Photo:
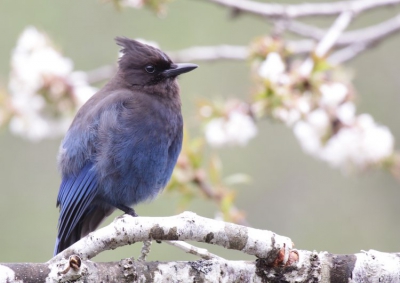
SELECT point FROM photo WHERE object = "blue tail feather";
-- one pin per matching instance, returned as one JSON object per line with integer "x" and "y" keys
{"x": 76, "y": 199}
{"x": 76, "y": 205}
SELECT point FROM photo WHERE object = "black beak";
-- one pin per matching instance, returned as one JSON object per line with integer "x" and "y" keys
{"x": 177, "y": 69}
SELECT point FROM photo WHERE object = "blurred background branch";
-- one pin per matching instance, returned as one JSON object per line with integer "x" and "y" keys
{"x": 276, "y": 10}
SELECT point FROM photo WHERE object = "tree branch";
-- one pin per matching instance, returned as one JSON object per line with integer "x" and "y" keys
{"x": 282, "y": 265}
{"x": 373, "y": 33}
{"x": 126, "y": 230}
{"x": 348, "y": 53}
{"x": 273, "y": 10}
{"x": 305, "y": 30}
{"x": 210, "y": 53}
{"x": 190, "y": 249}
{"x": 129, "y": 270}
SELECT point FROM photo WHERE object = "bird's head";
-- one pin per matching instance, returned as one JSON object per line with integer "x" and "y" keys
{"x": 144, "y": 65}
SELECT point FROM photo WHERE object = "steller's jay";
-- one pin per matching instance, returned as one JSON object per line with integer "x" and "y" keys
{"x": 123, "y": 144}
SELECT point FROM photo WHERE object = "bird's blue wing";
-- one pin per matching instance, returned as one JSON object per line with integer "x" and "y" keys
{"x": 75, "y": 197}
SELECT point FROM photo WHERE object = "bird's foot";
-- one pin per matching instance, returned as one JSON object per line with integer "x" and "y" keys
{"x": 132, "y": 213}
{"x": 128, "y": 210}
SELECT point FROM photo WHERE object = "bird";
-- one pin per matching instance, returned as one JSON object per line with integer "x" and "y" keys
{"x": 123, "y": 143}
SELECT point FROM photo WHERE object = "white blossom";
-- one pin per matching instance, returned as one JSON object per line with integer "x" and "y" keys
{"x": 215, "y": 132}
{"x": 133, "y": 3}
{"x": 333, "y": 94}
{"x": 272, "y": 68}
{"x": 303, "y": 104}
{"x": 365, "y": 121}
{"x": 346, "y": 113}
{"x": 33, "y": 60}
{"x": 378, "y": 141}
{"x": 360, "y": 146}
{"x": 311, "y": 131}
{"x": 44, "y": 90}
{"x": 342, "y": 149}
{"x": 236, "y": 129}
{"x": 35, "y": 127}
{"x": 353, "y": 147}
{"x": 82, "y": 90}
{"x": 293, "y": 116}
{"x": 289, "y": 117}
{"x": 308, "y": 137}
{"x": 319, "y": 120}
{"x": 31, "y": 38}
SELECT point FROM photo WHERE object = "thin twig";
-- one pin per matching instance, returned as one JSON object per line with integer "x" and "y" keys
{"x": 333, "y": 33}
{"x": 328, "y": 41}
{"x": 361, "y": 40}
{"x": 190, "y": 249}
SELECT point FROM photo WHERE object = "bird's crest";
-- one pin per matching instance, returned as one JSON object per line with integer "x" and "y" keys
{"x": 138, "y": 50}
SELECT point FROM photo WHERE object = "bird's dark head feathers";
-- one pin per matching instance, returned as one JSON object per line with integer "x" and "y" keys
{"x": 145, "y": 65}
{"x": 139, "y": 60}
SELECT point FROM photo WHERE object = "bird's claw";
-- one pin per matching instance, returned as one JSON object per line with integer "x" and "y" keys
{"x": 131, "y": 212}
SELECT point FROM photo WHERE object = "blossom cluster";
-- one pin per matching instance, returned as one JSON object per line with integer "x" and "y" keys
{"x": 44, "y": 91}
{"x": 319, "y": 108}
{"x": 157, "y": 6}
{"x": 228, "y": 124}
{"x": 321, "y": 111}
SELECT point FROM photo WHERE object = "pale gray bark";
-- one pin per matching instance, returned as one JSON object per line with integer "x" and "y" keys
{"x": 126, "y": 230}
{"x": 279, "y": 262}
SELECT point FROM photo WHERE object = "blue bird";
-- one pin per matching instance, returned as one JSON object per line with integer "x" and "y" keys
{"x": 123, "y": 144}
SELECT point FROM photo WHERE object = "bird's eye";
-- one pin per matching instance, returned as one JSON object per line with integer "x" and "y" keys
{"x": 150, "y": 69}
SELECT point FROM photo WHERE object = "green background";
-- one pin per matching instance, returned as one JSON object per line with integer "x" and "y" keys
{"x": 292, "y": 194}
